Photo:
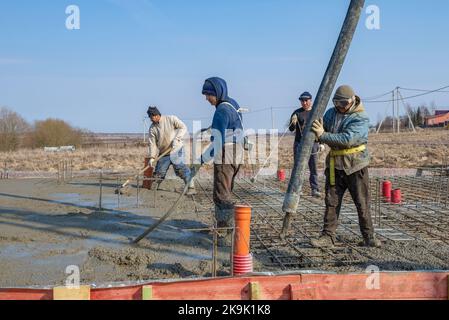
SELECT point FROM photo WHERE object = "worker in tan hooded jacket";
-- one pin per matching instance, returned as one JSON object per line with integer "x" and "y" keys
{"x": 345, "y": 130}
{"x": 167, "y": 133}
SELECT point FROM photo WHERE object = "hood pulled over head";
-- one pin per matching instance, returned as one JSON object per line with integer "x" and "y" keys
{"x": 217, "y": 87}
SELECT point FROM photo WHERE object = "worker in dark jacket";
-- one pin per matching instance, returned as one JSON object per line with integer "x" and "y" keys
{"x": 298, "y": 122}
{"x": 345, "y": 130}
{"x": 227, "y": 151}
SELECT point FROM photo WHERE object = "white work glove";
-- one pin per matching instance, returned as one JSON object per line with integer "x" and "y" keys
{"x": 176, "y": 144}
{"x": 294, "y": 120}
{"x": 318, "y": 128}
{"x": 152, "y": 162}
{"x": 322, "y": 148}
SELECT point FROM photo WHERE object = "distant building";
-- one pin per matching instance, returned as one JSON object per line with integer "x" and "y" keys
{"x": 440, "y": 112}
{"x": 441, "y": 118}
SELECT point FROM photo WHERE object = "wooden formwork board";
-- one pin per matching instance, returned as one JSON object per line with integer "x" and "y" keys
{"x": 381, "y": 286}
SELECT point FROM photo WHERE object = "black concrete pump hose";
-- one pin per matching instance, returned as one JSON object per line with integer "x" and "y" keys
{"x": 173, "y": 208}
{"x": 292, "y": 197}
{"x": 169, "y": 212}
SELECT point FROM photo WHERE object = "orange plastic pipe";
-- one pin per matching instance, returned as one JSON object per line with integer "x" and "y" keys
{"x": 242, "y": 230}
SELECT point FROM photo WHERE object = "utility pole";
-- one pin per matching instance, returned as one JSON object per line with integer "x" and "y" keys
{"x": 397, "y": 108}
{"x": 393, "y": 120}
{"x": 380, "y": 126}
{"x": 144, "y": 130}
{"x": 272, "y": 118}
{"x": 410, "y": 122}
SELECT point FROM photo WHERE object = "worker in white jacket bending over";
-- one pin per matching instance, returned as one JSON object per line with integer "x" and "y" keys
{"x": 166, "y": 133}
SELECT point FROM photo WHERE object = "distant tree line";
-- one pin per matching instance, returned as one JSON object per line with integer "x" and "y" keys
{"x": 418, "y": 114}
{"x": 417, "y": 117}
{"x": 16, "y": 132}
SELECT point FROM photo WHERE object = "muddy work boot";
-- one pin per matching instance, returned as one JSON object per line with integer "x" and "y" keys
{"x": 371, "y": 242}
{"x": 324, "y": 241}
{"x": 157, "y": 185}
{"x": 316, "y": 194}
{"x": 224, "y": 218}
{"x": 191, "y": 191}
{"x": 224, "y": 239}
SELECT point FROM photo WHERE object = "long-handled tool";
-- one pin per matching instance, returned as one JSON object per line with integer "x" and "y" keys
{"x": 170, "y": 211}
{"x": 194, "y": 171}
{"x": 120, "y": 189}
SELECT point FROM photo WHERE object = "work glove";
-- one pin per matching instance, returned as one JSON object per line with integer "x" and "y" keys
{"x": 318, "y": 128}
{"x": 176, "y": 145}
{"x": 294, "y": 120}
{"x": 152, "y": 162}
{"x": 322, "y": 148}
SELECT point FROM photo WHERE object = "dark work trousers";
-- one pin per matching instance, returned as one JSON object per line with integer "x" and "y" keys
{"x": 224, "y": 176}
{"x": 358, "y": 186}
{"x": 313, "y": 163}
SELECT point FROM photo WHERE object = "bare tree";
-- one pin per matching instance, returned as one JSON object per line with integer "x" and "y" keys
{"x": 433, "y": 107}
{"x": 12, "y": 128}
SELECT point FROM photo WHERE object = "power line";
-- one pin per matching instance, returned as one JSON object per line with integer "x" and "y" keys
{"x": 409, "y": 97}
{"x": 419, "y": 90}
{"x": 266, "y": 109}
{"x": 258, "y": 110}
{"x": 378, "y": 96}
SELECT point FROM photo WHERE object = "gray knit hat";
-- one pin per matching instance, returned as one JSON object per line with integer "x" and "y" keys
{"x": 153, "y": 111}
{"x": 344, "y": 93}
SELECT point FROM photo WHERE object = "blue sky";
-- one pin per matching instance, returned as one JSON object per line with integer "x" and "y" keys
{"x": 129, "y": 54}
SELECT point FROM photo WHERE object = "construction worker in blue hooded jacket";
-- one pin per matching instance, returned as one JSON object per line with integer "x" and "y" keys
{"x": 344, "y": 129}
{"x": 227, "y": 152}
{"x": 298, "y": 122}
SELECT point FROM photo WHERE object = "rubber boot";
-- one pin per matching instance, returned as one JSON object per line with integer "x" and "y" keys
{"x": 225, "y": 240}
{"x": 224, "y": 219}
{"x": 316, "y": 194}
{"x": 324, "y": 241}
{"x": 158, "y": 186}
{"x": 370, "y": 241}
{"x": 191, "y": 189}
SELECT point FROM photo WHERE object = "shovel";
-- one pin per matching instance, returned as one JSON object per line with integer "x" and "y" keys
{"x": 120, "y": 190}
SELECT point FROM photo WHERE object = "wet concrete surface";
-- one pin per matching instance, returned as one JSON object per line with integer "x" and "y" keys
{"x": 45, "y": 227}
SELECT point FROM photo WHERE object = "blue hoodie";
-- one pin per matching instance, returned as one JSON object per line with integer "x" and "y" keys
{"x": 226, "y": 119}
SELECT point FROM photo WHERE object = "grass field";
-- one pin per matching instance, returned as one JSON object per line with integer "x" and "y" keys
{"x": 405, "y": 150}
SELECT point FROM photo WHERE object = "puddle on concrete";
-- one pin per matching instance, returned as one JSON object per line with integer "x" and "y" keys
{"x": 48, "y": 255}
{"x": 110, "y": 202}
{"x": 66, "y": 228}
{"x": 57, "y": 256}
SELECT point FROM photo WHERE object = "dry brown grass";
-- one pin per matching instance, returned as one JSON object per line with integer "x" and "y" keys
{"x": 409, "y": 151}
{"x": 87, "y": 159}
{"x": 404, "y": 150}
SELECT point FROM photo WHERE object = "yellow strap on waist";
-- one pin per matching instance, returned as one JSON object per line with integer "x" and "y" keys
{"x": 344, "y": 152}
